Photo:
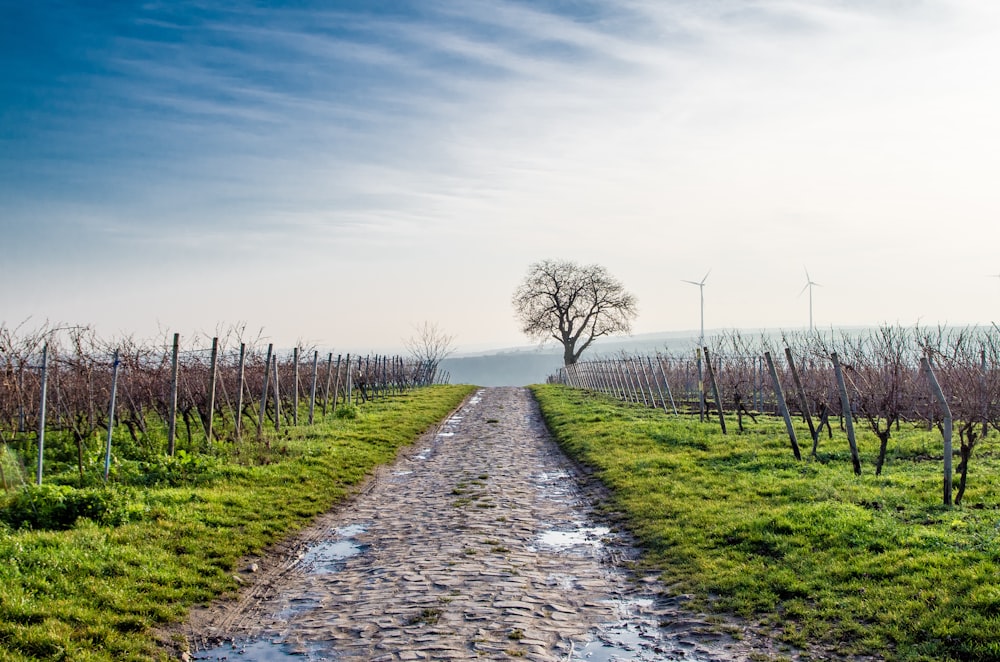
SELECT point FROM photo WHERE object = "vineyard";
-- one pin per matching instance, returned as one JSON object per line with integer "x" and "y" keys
{"x": 947, "y": 379}
{"x": 77, "y": 408}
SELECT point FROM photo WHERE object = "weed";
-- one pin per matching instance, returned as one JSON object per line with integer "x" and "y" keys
{"x": 426, "y": 617}
{"x": 349, "y": 412}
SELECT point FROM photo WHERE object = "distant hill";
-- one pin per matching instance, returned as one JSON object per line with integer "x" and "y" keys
{"x": 520, "y": 366}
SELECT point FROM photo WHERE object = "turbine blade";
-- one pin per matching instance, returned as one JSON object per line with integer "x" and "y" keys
{"x": 705, "y": 278}
{"x": 690, "y": 281}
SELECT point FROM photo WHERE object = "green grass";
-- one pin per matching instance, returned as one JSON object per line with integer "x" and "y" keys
{"x": 858, "y": 565}
{"x": 96, "y": 592}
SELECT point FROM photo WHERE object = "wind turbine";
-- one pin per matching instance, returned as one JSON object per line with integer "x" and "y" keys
{"x": 809, "y": 285}
{"x": 701, "y": 287}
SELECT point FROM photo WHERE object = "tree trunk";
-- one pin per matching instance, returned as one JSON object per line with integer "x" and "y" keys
{"x": 883, "y": 437}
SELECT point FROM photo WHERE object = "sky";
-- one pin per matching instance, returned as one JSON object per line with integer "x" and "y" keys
{"x": 337, "y": 173}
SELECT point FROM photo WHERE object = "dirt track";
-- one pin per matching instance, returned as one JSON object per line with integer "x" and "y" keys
{"x": 479, "y": 543}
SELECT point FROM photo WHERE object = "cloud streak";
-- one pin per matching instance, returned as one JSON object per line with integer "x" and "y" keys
{"x": 659, "y": 138}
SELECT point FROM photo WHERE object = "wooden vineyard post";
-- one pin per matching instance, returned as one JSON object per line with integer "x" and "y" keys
{"x": 277, "y": 395}
{"x": 947, "y": 430}
{"x": 780, "y": 395}
{"x": 336, "y": 388}
{"x": 263, "y": 391}
{"x": 632, "y": 380}
{"x": 329, "y": 381}
{"x": 295, "y": 385}
{"x": 619, "y": 379}
{"x": 614, "y": 383}
{"x": 599, "y": 377}
{"x": 241, "y": 369}
{"x": 620, "y": 391}
{"x": 312, "y": 390}
{"x": 845, "y": 405}
{"x": 386, "y": 377}
{"x": 640, "y": 365}
{"x": 213, "y": 377}
{"x": 666, "y": 384}
{"x": 348, "y": 383}
{"x": 172, "y": 405}
{"x": 627, "y": 380}
{"x": 715, "y": 391}
{"x": 802, "y": 398}
{"x": 638, "y": 381}
{"x": 41, "y": 414}
{"x": 655, "y": 380}
{"x": 111, "y": 415}
{"x": 701, "y": 388}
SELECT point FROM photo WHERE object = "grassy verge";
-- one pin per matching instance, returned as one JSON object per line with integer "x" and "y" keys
{"x": 859, "y": 565}
{"x": 95, "y": 592}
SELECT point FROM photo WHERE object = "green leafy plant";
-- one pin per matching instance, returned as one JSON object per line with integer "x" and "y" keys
{"x": 58, "y": 507}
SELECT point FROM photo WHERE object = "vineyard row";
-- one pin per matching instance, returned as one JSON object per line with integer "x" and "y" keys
{"x": 942, "y": 377}
{"x": 80, "y": 387}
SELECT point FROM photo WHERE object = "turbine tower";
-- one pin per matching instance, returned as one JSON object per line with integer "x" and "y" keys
{"x": 809, "y": 286}
{"x": 701, "y": 288}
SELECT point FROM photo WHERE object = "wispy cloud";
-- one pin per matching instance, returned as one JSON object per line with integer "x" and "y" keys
{"x": 652, "y": 136}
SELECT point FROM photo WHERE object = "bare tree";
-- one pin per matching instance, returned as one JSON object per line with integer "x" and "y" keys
{"x": 428, "y": 346}
{"x": 572, "y": 303}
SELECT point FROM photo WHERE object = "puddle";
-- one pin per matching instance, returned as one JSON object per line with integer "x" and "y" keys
{"x": 620, "y": 642}
{"x": 557, "y": 486}
{"x": 331, "y": 555}
{"x": 351, "y": 530}
{"x": 298, "y": 606}
{"x": 584, "y": 536}
{"x": 636, "y": 637}
{"x": 446, "y": 434}
{"x": 260, "y": 651}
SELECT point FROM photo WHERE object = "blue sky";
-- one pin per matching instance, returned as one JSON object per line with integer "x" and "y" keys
{"x": 338, "y": 172}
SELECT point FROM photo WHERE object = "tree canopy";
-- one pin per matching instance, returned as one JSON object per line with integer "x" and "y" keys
{"x": 430, "y": 345}
{"x": 573, "y": 304}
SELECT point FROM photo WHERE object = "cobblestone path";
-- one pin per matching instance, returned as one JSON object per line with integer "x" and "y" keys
{"x": 479, "y": 543}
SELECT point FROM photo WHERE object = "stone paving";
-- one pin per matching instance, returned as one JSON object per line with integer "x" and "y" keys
{"x": 479, "y": 543}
